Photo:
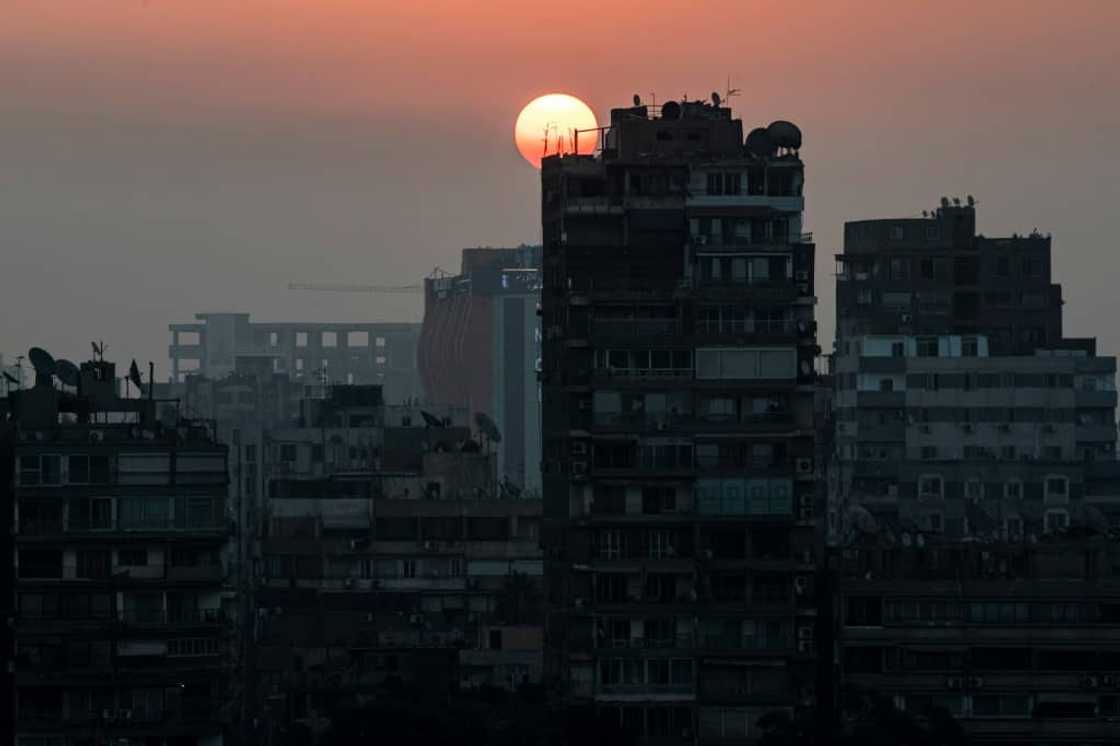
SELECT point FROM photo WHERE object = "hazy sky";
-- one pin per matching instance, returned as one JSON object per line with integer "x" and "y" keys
{"x": 162, "y": 157}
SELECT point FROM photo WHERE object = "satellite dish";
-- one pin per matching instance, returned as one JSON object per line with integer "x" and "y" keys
{"x": 971, "y": 200}
{"x": 785, "y": 134}
{"x": 487, "y": 427}
{"x": 637, "y": 100}
{"x": 670, "y": 110}
{"x": 862, "y": 519}
{"x": 944, "y": 201}
{"x": 716, "y": 100}
{"x": 921, "y": 540}
{"x": 67, "y": 372}
{"x": 956, "y": 201}
{"x": 759, "y": 142}
{"x": 431, "y": 419}
{"x": 44, "y": 365}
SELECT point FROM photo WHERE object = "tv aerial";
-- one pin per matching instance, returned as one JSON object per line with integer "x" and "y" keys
{"x": 44, "y": 365}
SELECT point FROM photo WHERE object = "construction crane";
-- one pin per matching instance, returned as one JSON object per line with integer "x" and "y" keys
{"x": 333, "y": 287}
{"x": 342, "y": 288}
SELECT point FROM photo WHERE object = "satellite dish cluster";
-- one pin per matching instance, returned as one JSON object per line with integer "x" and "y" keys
{"x": 780, "y": 135}
{"x": 47, "y": 368}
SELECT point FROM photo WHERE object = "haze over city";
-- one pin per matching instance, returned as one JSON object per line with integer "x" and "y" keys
{"x": 162, "y": 158}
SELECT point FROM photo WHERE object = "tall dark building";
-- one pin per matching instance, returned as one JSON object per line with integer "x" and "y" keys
{"x": 973, "y": 498}
{"x": 118, "y": 520}
{"x": 479, "y": 348}
{"x": 677, "y": 384}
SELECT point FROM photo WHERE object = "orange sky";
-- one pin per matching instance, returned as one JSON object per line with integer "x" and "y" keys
{"x": 198, "y": 156}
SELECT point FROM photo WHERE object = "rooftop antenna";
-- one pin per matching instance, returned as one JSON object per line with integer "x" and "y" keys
{"x": 729, "y": 91}
{"x": 98, "y": 351}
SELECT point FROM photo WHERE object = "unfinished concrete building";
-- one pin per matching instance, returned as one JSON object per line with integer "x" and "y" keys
{"x": 387, "y": 552}
{"x": 327, "y": 353}
{"x": 678, "y": 372}
{"x": 122, "y": 621}
{"x": 973, "y": 500}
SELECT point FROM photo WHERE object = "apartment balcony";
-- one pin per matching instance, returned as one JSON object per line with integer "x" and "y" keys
{"x": 680, "y": 641}
{"x": 744, "y": 643}
{"x": 653, "y": 691}
{"x": 163, "y": 617}
{"x": 608, "y": 331}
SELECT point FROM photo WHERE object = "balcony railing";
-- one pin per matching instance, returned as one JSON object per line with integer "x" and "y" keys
{"x": 680, "y": 641}
{"x": 636, "y": 327}
{"x": 743, "y": 642}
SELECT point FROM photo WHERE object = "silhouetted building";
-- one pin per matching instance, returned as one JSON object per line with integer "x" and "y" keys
{"x": 387, "y": 552}
{"x": 678, "y": 371}
{"x": 122, "y": 623}
{"x": 316, "y": 353}
{"x": 973, "y": 500}
{"x": 480, "y": 347}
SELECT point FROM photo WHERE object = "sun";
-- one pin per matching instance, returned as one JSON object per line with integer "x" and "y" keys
{"x": 549, "y": 125}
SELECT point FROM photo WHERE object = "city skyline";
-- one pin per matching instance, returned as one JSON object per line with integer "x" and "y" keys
{"x": 190, "y": 159}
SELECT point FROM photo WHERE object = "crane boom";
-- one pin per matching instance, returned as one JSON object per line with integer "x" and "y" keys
{"x": 343, "y": 288}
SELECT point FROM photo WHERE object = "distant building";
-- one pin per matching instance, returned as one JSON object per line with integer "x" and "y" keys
{"x": 123, "y": 617}
{"x": 387, "y": 550}
{"x": 679, "y": 452}
{"x": 480, "y": 348}
{"x": 220, "y": 343}
{"x": 973, "y": 493}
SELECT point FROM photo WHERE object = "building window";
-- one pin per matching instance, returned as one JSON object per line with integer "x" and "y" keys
{"x": 1057, "y": 489}
{"x": 931, "y": 485}
{"x": 1056, "y": 520}
{"x": 1013, "y": 490}
{"x": 974, "y": 489}
{"x": 1003, "y": 267}
{"x": 897, "y": 233}
{"x": 329, "y": 339}
{"x": 898, "y": 349}
{"x": 929, "y": 453}
{"x": 301, "y": 339}
{"x": 715, "y": 184}
{"x": 886, "y": 384}
{"x": 925, "y": 268}
{"x": 970, "y": 347}
{"x": 408, "y": 568}
{"x": 77, "y": 471}
{"x": 864, "y": 297}
{"x": 132, "y": 557}
{"x": 1013, "y": 526}
{"x": 936, "y": 522}
{"x": 927, "y": 346}
{"x": 1007, "y": 453}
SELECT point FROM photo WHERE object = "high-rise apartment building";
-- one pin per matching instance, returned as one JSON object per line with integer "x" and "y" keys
{"x": 122, "y": 618}
{"x": 973, "y": 493}
{"x": 677, "y": 380}
{"x": 480, "y": 346}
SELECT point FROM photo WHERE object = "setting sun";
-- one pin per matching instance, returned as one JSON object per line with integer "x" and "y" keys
{"x": 548, "y": 125}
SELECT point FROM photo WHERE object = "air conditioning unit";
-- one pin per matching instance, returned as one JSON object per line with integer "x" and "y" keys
{"x": 579, "y": 603}
{"x": 892, "y": 490}
{"x": 707, "y": 554}
{"x": 805, "y": 646}
{"x": 701, "y": 240}
{"x": 579, "y": 448}
{"x": 416, "y": 619}
{"x": 804, "y": 466}
{"x": 579, "y": 468}
{"x": 906, "y": 318}
{"x": 976, "y": 682}
{"x": 953, "y": 682}
{"x": 1109, "y": 680}
{"x": 429, "y": 545}
{"x": 1090, "y": 682}
{"x": 348, "y": 583}
{"x": 800, "y": 585}
{"x": 802, "y": 275}
{"x": 108, "y": 715}
{"x": 367, "y": 617}
{"x": 805, "y": 632}
{"x": 96, "y": 436}
{"x": 124, "y": 714}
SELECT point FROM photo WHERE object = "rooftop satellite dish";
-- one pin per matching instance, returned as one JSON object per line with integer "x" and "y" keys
{"x": 971, "y": 200}
{"x": 670, "y": 110}
{"x": 925, "y": 213}
{"x": 67, "y": 372}
{"x": 487, "y": 427}
{"x": 716, "y": 100}
{"x": 785, "y": 134}
{"x": 862, "y": 519}
{"x": 44, "y": 365}
{"x": 957, "y": 201}
{"x": 431, "y": 420}
{"x": 944, "y": 201}
{"x": 759, "y": 142}
{"x": 637, "y": 100}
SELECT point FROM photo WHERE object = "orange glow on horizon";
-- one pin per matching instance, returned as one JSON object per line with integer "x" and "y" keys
{"x": 548, "y": 124}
